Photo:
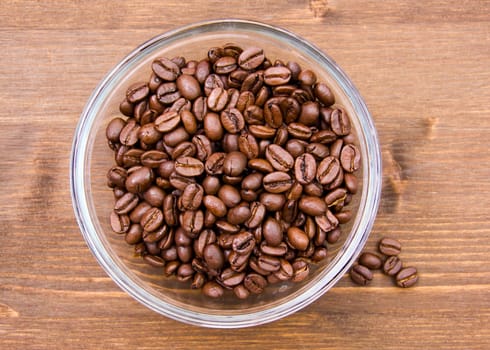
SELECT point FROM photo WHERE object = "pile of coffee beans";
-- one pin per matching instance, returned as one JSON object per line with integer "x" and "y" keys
{"x": 233, "y": 171}
{"x": 391, "y": 264}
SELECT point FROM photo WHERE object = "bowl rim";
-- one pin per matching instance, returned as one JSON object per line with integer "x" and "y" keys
{"x": 80, "y": 195}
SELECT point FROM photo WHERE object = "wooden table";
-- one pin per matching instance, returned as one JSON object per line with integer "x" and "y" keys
{"x": 424, "y": 71}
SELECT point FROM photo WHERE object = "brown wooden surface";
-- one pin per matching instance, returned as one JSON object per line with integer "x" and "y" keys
{"x": 424, "y": 70}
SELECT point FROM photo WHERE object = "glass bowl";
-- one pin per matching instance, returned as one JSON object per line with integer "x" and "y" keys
{"x": 93, "y": 200}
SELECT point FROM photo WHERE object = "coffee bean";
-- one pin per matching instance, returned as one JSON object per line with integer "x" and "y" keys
{"x": 248, "y": 145}
{"x": 277, "y": 182}
{"x": 340, "y": 122}
{"x": 114, "y": 128}
{"x": 272, "y": 201}
{"x": 215, "y": 205}
{"x": 273, "y": 114}
{"x": 213, "y": 255}
{"x": 361, "y": 275}
{"x": 350, "y": 158}
{"x": 261, "y": 165}
{"x": 229, "y": 195}
{"x": 241, "y": 292}
{"x": 279, "y": 158}
{"x": 327, "y": 222}
{"x": 120, "y": 223}
{"x": 167, "y": 121}
{"x": 251, "y": 58}
{"x": 327, "y": 170}
{"x": 217, "y": 99}
{"x": 305, "y": 169}
{"x": 407, "y": 277}
{"x": 188, "y": 87}
{"x": 301, "y": 270}
{"x": 389, "y": 246}
{"x": 165, "y": 69}
{"x": 234, "y": 163}
{"x": 255, "y": 283}
{"x": 168, "y": 93}
{"x": 137, "y": 92}
{"x": 313, "y": 206}
{"x": 192, "y": 221}
{"x": 188, "y": 166}
{"x": 129, "y": 134}
{"x": 370, "y": 260}
{"x": 192, "y": 196}
{"x": 232, "y": 120}
{"x": 297, "y": 238}
{"x": 139, "y": 180}
{"x": 243, "y": 243}
{"x": 392, "y": 265}
{"x": 277, "y": 76}
{"x": 225, "y": 65}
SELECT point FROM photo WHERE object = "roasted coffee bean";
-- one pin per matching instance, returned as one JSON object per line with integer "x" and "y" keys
{"x": 327, "y": 222}
{"x": 230, "y": 278}
{"x": 120, "y": 222}
{"x": 184, "y": 149}
{"x": 277, "y": 182}
{"x": 192, "y": 196}
{"x": 269, "y": 263}
{"x": 203, "y": 69}
{"x": 252, "y": 181}
{"x": 340, "y": 122}
{"x": 167, "y": 121}
{"x": 167, "y": 94}
{"x": 305, "y": 169}
{"x": 238, "y": 215}
{"x": 272, "y": 201}
{"x": 253, "y": 82}
{"x": 295, "y": 147}
{"x": 243, "y": 243}
{"x": 324, "y": 94}
{"x": 188, "y": 121}
{"x": 361, "y": 275}
{"x": 154, "y": 196}
{"x": 407, "y": 277}
{"x": 257, "y": 214}
{"x": 273, "y": 115}
{"x": 137, "y": 92}
{"x": 318, "y": 150}
{"x": 217, "y": 99}
{"x": 301, "y": 270}
{"x": 211, "y": 184}
{"x": 225, "y": 65}
{"x": 392, "y": 265}
{"x": 277, "y": 76}
{"x": 344, "y": 216}
{"x": 234, "y": 163}
{"x": 188, "y": 166}
{"x": 192, "y": 221}
{"x": 174, "y": 138}
{"x": 212, "y": 289}
{"x": 232, "y": 120}
{"x": 313, "y": 206}
{"x": 323, "y": 136}
{"x": 203, "y": 147}
{"x": 389, "y": 246}
{"x": 279, "y": 158}
{"x": 165, "y": 69}
{"x": 134, "y": 234}
{"x": 198, "y": 281}
{"x": 154, "y": 260}
{"x": 152, "y": 219}
{"x": 272, "y": 232}
{"x": 129, "y": 134}
{"x": 328, "y": 170}
{"x": 212, "y": 81}
{"x": 188, "y": 87}
{"x": 297, "y": 238}
{"x": 139, "y": 180}
{"x": 261, "y": 165}
{"x": 200, "y": 107}
{"x": 370, "y": 260}
{"x": 351, "y": 182}
{"x": 241, "y": 292}
{"x": 229, "y": 195}
{"x": 278, "y": 250}
{"x": 114, "y": 128}
{"x": 137, "y": 213}
{"x": 212, "y": 127}
{"x": 205, "y": 237}
{"x": 215, "y": 205}
{"x": 255, "y": 283}
{"x": 213, "y": 255}
{"x": 299, "y": 131}
{"x": 350, "y": 158}
{"x": 116, "y": 176}
{"x": 248, "y": 145}
{"x": 335, "y": 197}
{"x": 334, "y": 235}
{"x": 185, "y": 272}
{"x": 251, "y": 58}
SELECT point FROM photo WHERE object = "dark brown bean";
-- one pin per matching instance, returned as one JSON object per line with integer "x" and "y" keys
{"x": 392, "y": 265}
{"x": 305, "y": 168}
{"x": 279, "y": 158}
{"x": 389, "y": 246}
{"x": 407, "y": 277}
{"x": 189, "y": 166}
{"x": 361, "y": 275}
{"x": 313, "y": 206}
{"x": 370, "y": 260}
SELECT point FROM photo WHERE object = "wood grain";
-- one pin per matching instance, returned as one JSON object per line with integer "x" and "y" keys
{"x": 423, "y": 69}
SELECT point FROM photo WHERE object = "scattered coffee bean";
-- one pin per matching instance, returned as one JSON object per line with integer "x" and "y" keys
{"x": 370, "y": 260}
{"x": 361, "y": 275}
{"x": 389, "y": 246}
{"x": 392, "y": 265}
{"x": 233, "y": 171}
{"x": 407, "y": 277}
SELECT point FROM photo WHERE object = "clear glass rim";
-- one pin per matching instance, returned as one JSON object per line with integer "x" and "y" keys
{"x": 315, "y": 288}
